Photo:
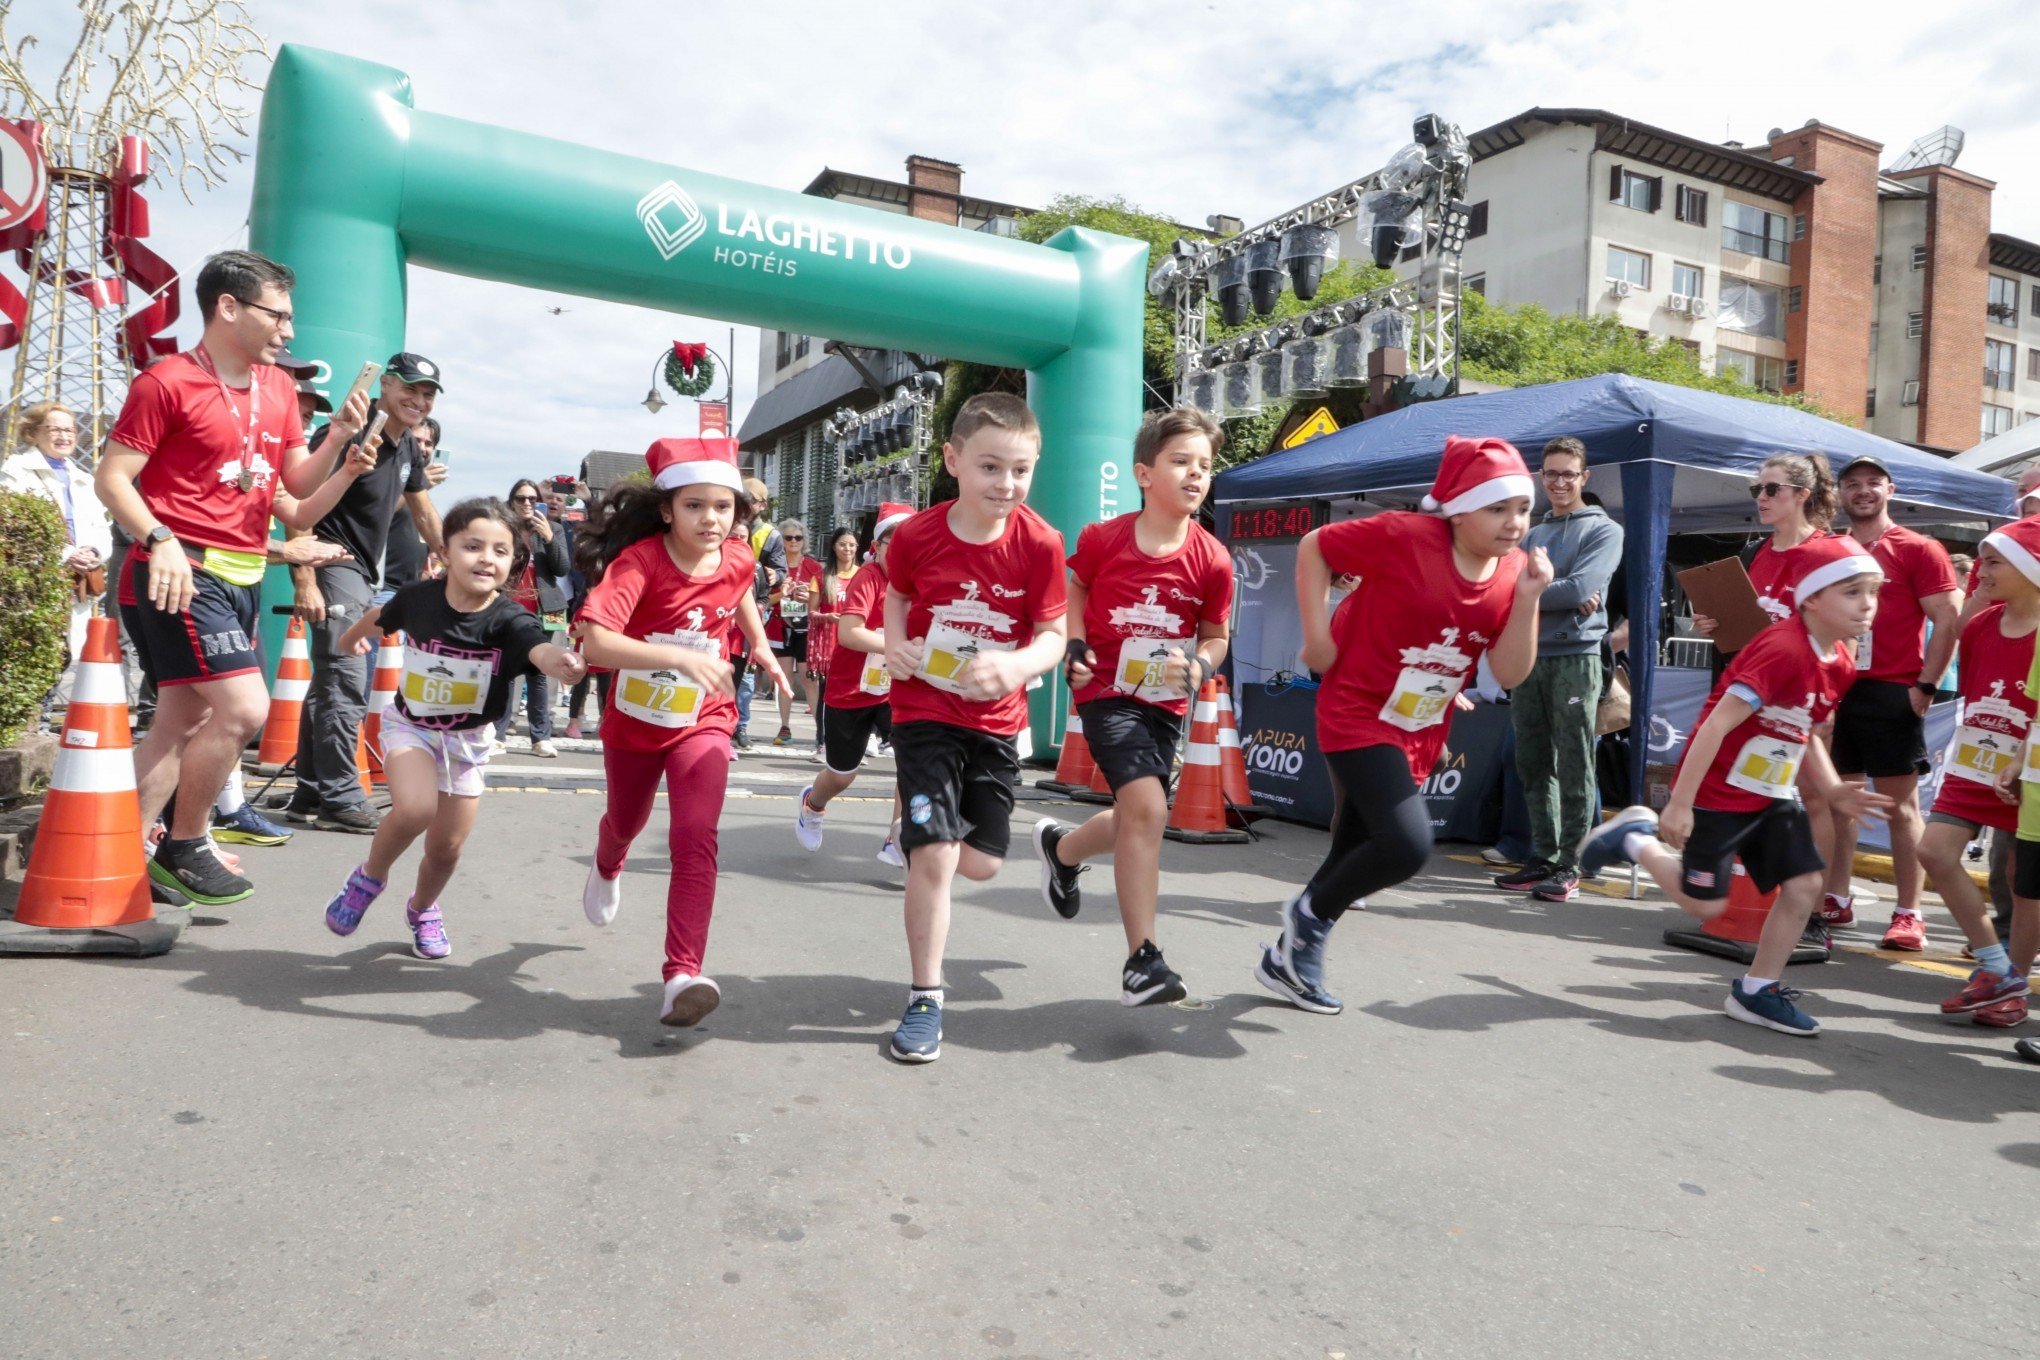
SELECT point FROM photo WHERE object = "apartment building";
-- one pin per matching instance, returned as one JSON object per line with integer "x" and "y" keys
{"x": 1800, "y": 264}
{"x": 803, "y": 379}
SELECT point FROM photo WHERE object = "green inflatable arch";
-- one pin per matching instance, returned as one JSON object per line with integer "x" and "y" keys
{"x": 353, "y": 185}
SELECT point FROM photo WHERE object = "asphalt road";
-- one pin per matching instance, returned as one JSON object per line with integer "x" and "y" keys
{"x": 1532, "y": 1134}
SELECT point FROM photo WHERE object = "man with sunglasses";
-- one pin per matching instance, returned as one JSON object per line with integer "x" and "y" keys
{"x": 207, "y": 446}
{"x": 1553, "y": 709}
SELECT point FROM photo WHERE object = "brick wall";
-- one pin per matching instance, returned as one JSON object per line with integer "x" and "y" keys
{"x": 945, "y": 178}
{"x": 1957, "y": 289}
{"x": 1832, "y": 266}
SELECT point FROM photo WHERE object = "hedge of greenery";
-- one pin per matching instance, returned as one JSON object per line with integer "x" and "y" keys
{"x": 35, "y": 607}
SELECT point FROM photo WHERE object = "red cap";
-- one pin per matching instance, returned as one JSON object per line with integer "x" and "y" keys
{"x": 1477, "y": 472}
{"x": 690, "y": 462}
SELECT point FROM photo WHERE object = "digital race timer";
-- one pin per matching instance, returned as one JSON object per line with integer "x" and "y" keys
{"x": 1281, "y": 521}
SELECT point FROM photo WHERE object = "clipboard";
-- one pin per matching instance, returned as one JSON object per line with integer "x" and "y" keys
{"x": 1722, "y": 591}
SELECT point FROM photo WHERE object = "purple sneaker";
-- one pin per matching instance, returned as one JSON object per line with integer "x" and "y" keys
{"x": 345, "y": 911}
{"x": 428, "y": 931}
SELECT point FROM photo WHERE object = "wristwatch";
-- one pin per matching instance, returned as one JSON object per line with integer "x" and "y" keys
{"x": 1926, "y": 688}
{"x": 162, "y": 533}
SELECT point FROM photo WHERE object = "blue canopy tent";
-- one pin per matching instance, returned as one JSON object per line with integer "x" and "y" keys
{"x": 1685, "y": 459}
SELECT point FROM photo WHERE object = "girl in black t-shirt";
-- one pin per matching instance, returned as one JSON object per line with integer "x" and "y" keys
{"x": 464, "y": 642}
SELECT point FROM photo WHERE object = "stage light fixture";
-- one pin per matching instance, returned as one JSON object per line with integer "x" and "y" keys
{"x": 1390, "y": 222}
{"x": 1264, "y": 274}
{"x": 1308, "y": 251}
{"x": 1231, "y": 278}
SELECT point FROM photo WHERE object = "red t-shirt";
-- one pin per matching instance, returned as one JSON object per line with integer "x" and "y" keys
{"x": 643, "y": 595}
{"x": 1150, "y": 599}
{"x": 862, "y": 605}
{"x": 1409, "y": 635}
{"x": 1793, "y": 690}
{"x": 176, "y": 414}
{"x": 1775, "y": 572}
{"x": 1996, "y": 711}
{"x": 803, "y": 569}
{"x": 964, "y": 596}
{"x": 1915, "y": 567}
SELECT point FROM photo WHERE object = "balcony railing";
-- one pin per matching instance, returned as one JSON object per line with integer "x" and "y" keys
{"x": 1750, "y": 243}
{"x": 1999, "y": 378}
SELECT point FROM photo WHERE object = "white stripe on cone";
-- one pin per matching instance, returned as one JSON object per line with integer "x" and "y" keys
{"x": 99, "y": 682}
{"x": 296, "y": 649}
{"x": 83, "y": 771}
{"x": 291, "y": 691}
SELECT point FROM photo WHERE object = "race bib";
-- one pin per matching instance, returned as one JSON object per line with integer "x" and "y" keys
{"x": 665, "y": 698}
{"x": 1767, "y": 766}
{"x": 1980, "y": 755}
{"x": 2030, "y": 772}
{"x": 1863, "y": 654}
{"x": 436, "y": 686}
{"x": 1143, "y": 667}
{"x": 1419, "y": 699}
{"x": 874, "y": 678}
{"x": 793, "y": 612}
{"x": 949, "y": 650}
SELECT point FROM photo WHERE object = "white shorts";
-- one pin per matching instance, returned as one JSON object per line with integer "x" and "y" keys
{"x": 461, "y": 757}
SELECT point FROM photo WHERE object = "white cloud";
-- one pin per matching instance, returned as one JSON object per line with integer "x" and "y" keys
{"x": 1186, "y": 109}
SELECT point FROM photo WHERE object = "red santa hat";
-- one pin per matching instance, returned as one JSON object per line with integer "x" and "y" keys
{"x": 2019, "y": 544}
{"x": 1477, "y": 472}
{"x": 891, "y": 515}
{"x": 692, "y": 462}
{"x": 1834, "y": 559}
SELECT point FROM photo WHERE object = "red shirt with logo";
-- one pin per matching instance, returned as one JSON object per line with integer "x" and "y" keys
{"x": 1775, "y": 572}
{"x": 176, "y": 414}
{"x": 1408, "y": 637}
{"x": 1147, "y": 601}
{"x": 1996, "y": 711}
{"x": 965, "y": 597}
{"x": 644, "y": 595}
{"x": 1915, "y": 568}
{"x": 1793, "y": 689}
{"x": 803, "y": 569}
{"x": 863, "y": 605}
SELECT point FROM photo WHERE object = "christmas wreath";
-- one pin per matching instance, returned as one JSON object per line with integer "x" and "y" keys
{"x": 689, "y": 369}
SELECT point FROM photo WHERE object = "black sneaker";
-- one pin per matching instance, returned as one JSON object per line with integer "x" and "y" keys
{"x": 361, "y": 819}
{"x": 302, "y": 812}
{"x": 1816, "y": 935}
{"x": 1562, "y": 886}
{"x": 1148, "y": 979}
{"x": 1527, "y": 877}
{"x": 191, "y": 868}
{"x": 743, "y": 740}
{"x": 1058, "y": 880}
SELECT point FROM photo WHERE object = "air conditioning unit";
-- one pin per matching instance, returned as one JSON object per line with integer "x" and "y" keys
{"x": 1618, "y": 288}
{"x": 1698, "y": 307}
{"x": 1679, "y": 302}
{"x": 1909, "y": 395}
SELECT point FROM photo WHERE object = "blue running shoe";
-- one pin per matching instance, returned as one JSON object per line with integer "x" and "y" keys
{"x": 249, "y": 827}
{"x": 1602, "y": 846}
{"x": 1772, "y": 1007}
{"x": 919, "y": 1037}
{"x": 1293, "y": 967}
{"x": 345, "y": 911}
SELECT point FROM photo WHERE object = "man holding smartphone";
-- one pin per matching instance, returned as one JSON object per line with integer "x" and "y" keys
{"x": 331, "y": 599}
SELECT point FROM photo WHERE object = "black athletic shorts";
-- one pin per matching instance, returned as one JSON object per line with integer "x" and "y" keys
{"x": 847, "y": 733}
{"x": 1877, "y": 733}
{"x": 793, "y": 644}
{"x": 2025, "y": 868}
{"x": 1130, "y": 740}
{"x": 212, "y": 639}
{"x": 1774, "y": 845}
{"x": 957, "y": 785}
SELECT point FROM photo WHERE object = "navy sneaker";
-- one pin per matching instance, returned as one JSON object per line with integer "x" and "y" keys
{"x": 1147, "y": 979}
{"x": 1293, "y": 967}
{"x": 919, "y": 1036}
{"x": 248, "y": 827}
{"x": 1772, "y": 1007}
{"x": 1602, "y": 846}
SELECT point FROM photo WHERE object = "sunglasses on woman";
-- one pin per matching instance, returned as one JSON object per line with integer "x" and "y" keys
{"x": 1759, "y": 490}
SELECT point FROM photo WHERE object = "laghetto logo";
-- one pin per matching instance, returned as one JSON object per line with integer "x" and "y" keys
{"x": 671, "y": 218}
{"x": 770, "y": 243}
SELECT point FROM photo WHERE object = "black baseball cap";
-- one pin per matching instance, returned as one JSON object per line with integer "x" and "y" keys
{"x": 1863, "y": 459}
{"x": 414, "y": 368}
{"x": 319, "y": 402}
{"x": 300, "y": 369}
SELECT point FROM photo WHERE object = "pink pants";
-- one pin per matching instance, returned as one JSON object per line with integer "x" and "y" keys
{"x": 696, "y": 770}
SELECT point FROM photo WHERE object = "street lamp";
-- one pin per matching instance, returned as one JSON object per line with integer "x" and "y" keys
{"x": 655, "y": 403}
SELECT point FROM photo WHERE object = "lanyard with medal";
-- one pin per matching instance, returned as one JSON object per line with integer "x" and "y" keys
{"x": 246, "y": 482}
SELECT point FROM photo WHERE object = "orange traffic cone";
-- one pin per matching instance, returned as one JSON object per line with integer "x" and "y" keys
{"x": 389, "y": 673}
{"x": 1232, "y": 765}
{"x": 362, "y": 772}
{"x": 286, "y": 702}
{"x": 1074, "y": 768}
{"x": 1733, "y": 934}
{"x": 87, "y": 886}
{"x": 1198, "y": 813}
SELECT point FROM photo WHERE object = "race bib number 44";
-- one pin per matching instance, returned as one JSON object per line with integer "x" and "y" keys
{"x": 1981, "y": 754}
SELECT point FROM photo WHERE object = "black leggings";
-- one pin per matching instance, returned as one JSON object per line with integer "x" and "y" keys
{"x": 1382, "y": 835}
{"x": 577, "y": 699}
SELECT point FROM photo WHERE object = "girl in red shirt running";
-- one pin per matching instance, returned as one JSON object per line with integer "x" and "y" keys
{"x": 676, "y": 582}
{"x": 1435, "y": 591}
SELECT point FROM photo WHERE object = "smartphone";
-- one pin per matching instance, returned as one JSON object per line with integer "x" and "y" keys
{"x": 367, "y": 375}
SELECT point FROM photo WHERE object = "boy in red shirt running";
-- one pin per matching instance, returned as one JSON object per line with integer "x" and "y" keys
{"x": 1736, "y": 791}
{"x": 973, "y": 611}
{"x": 1151, "y": 594}
{"x": 855, "y": 707}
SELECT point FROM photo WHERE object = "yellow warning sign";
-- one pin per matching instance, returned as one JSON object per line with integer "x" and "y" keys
{"x": 1320, "y": 422}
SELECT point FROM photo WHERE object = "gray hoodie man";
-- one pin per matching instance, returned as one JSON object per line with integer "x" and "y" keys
{"x": 1585, "y": 549}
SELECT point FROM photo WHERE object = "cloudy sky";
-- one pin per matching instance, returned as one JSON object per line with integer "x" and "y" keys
{"x": 1184, "y": 108}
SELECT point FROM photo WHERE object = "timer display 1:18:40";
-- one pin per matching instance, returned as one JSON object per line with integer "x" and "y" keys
{"x": 1260, "y": 523}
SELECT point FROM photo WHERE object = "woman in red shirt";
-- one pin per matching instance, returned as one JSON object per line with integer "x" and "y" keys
{"x": 1435, "y": 591}
{"x": 839, "y": 558}
{"x": 675, "y": 585}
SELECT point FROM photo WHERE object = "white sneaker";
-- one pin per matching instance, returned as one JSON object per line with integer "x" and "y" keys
{"x": 818, "y": 756}
{"x": 807, "y": 823}
{"x": 889, "y": 852}
{"x": 546, "y": 749}
{"x": 600, "y": 897}
{"x": 688, "y": 1000}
